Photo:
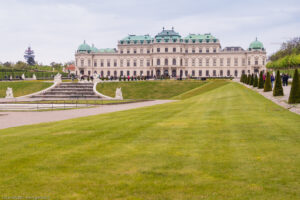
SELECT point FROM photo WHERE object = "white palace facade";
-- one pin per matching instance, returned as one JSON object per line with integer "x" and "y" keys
{"x": 169, "y": 54}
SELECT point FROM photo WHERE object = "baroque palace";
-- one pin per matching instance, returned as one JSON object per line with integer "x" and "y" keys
{"x": 169, "y": 54}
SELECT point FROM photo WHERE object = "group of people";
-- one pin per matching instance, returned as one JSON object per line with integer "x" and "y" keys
{"x": 284, "y": 78}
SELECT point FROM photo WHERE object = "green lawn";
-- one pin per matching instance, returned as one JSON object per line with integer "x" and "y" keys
{"x": 223, "y": 143}
{"x": 149, "y": 89}
{"x": 21, "y": 88}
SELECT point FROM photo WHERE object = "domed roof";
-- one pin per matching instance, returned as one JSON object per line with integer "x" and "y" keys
{"x": 84, "y": 47}
{"x": 256, "y": 45}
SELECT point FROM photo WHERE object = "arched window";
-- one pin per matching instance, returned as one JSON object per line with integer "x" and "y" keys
{"x": 121, "y": 73}
{"x": 236, "y": 73}
{"x": 180, "y": 62}
{"x": 102, "y": 73}
{"x": 243, "y": 71}
{"x": 214, "y": 73}
{"x": 228, "y": 72}
{"x": 115, "y": 73}
{"x": 108, "y": 73}
{"x": 158, "y": 62}
{"x": 174, "y": 61}
{"x": 221, "y": 72}
{"x": 166, "y": 61}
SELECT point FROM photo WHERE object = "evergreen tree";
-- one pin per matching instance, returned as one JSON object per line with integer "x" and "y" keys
{"x": 251, "y": 79}
{"x": 248, "y": 79}
{"x": 295, "y": 89}
{"x": 278, "y": 90}
{"x": 261, "y": 81}
{"x": 255, "y": 83}
{"x": 268, "y": 85}
{"x": 241, "y": 79}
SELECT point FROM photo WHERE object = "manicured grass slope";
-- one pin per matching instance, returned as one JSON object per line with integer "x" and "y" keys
{"x": 227, "y": 143}
{"x": 149, "y": 89}
{"x": 23, "y": 87}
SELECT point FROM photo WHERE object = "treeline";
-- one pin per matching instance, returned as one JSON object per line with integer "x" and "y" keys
{"x": 16, "y": 74}
{"x": 20, "y": 65}
{"x": 287, "y": 57}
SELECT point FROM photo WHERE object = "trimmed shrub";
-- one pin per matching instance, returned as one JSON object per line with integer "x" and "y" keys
{"x": 295, "y": 89}
{"x": 241, "y": 79}
{"x": 248, "y": 79}
{"x": 255, "y": 83}
{"x": 268, "y": 85}
{"x": 278, "y": 90}
{"x": 251, "y": 79}
{"x": 261, "y": 81}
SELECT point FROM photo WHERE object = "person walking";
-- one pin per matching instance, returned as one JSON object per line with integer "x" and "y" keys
{"x": 272, "y": 80}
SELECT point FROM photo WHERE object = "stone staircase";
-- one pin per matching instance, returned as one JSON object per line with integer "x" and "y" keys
{"x": 70, "y": 91}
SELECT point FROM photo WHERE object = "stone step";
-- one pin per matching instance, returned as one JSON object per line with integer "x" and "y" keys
{"x": 71, "y": 89}
{"x": 67, "y": 96}
{"x": 73, "y": 86}
{"x": 69, "y": 93}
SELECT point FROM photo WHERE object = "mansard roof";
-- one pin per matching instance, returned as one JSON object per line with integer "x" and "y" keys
{"x": 168, "y": 34}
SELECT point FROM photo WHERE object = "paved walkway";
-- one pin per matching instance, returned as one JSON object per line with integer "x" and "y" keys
{"x": 13, "y": 119}
{"x": 280, "y": 100}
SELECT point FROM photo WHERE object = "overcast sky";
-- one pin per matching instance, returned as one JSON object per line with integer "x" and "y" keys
{"x": 54, "y": 29}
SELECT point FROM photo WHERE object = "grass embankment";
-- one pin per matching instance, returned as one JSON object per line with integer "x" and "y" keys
{"x": 226, "y": 143}
{"x": 22, "y": 88}
{"x": 149, "y": 89}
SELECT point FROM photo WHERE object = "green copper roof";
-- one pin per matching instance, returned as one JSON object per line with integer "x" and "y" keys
{"x": 167, "y": 34}
{"x": 94, "y": 49}
{"x": 136, "y": 38}
{"x": 207, "y": 37}
{"x": 107, "y": 50}
{"x": 256, "y": 45}
{"x": 84, "y": 47}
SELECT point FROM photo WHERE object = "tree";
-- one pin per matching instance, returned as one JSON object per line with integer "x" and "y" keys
{"x": 248, "y": 79}
{"x": 295, "y": 89}
{"x": 268, "y": 85}
{"x": 261, "y": 81}
{"x": 251, "y": 79}
{"x": 278, "y": 90}
{"x": 255, "y": 83}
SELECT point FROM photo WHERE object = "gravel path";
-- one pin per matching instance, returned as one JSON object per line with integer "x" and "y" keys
{"x": 13, "y": 119}
{"x": 282, "y": 101}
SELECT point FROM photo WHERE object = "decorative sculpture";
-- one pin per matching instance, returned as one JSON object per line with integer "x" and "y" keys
{"x": 9, "y": 93}
{"x": 119, "y": 94}
{"x": 23, "y": 77}
{"x": 57, "y": 78}
{"x": 33, "y": 77}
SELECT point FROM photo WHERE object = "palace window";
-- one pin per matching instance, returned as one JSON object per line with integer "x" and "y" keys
{"x": 148, "y": 63}
{"x": 128, "y": 63}
{"x": 243, "y": 61}
{"x": 186, "y": 62}
{"x": 121, "y": 73}
{"x": 228, "y": 72}
{"x": 121, "y": 51}
{"x": 256, "y": 61}
{"x": 89, "y": 63}
{"x": 134, "y": 63}
{"x": 249, "y": 63}
{"x": 200, "y": 50}
{"x": 128, "y": 50}
{"x": 200, "y": 72}
{"x": 193, "y": 72}
{"x": 81, "y": 63}
{"x": 134, "y": 51}
{"x": 207, "y": 73}
{"x": 108, "y": 63}
{"x": 115, "y": 73}
{"x": 236, "y": 73}
{"x": 186, "y": 51}
{"x": 121, "y": 63}
{"x": 221, "y": 61}
{"x": 158, "y": 62}
{"x": 228, "y": 61}
{"x": 215, "y": 50}
{"x": 141, "y": 62}
{"x": 214, "y": 73}
{"x": 108, "y": 73}
{"x": 207, "y": 61}
{"x": 200, "y": 61}
{"x": 193, "y": 62}
{"x": 174, "y": 50}
{"x": 141, "y": 73}
{"x": 207, "y": 50}
{"x": 166, "y": 49}
{"x": 263, "y": 61}
{"x": 148, "y": 50}
{"x": 235, "y": 62}
{"x": 180, "y": 50}
{"x": 221, "y": 72}
{"x": 134, "y": 73}
{"x": 158, "y": 50}
{"x": 193, "y": 50}
{"x": 174, "y": 61}
{"x": 214, "y": 62}
{"x": 166, "y": 61}
{"x": 115, "y": 63}
{"x": 102, "y": 63}
{"x": 102, "y": 73}
{"x": 141, "y": 50}
{"x": 128, "y": 73}
{"x": 95, "y": 63}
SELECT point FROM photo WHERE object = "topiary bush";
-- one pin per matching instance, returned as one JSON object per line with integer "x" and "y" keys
{"x": 261, "y": 81}
{"x": 295, "y": 89}
{"x": 255, "y": 83}
{"x": 251, "y": 79}
{"x": 268, "y": 85}
{"x": 248, "y": 79}
{"x": 278, "y": 90}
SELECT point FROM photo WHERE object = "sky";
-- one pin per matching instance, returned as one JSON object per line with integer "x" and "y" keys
{"x": 54, "y": 29}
